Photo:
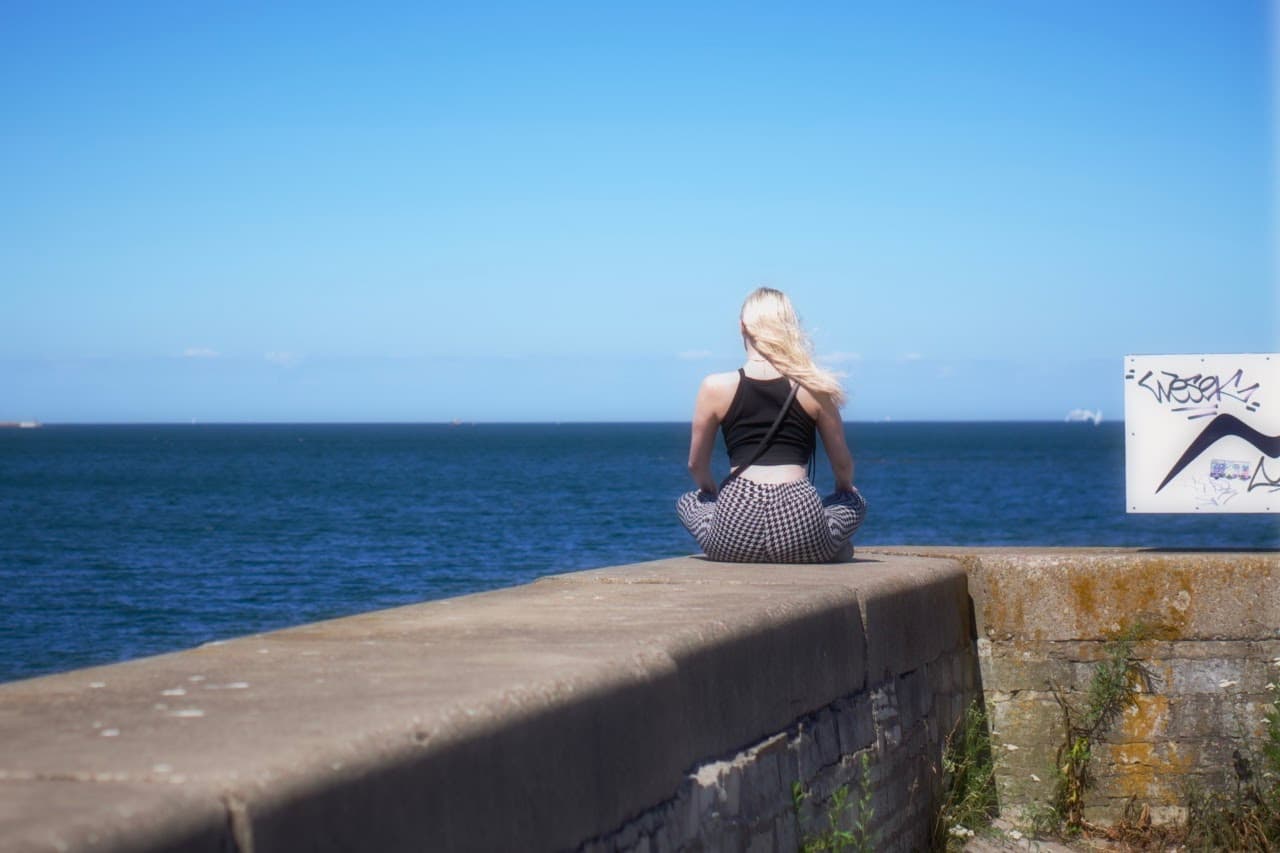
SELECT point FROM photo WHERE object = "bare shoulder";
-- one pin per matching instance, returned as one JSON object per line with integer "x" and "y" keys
{"x": 717, "y": 391}
{"x": 721, "y": 381}
{"x": 819, "y": 406}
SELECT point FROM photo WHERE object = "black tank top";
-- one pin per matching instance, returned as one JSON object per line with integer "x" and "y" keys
{"x": 755, "y": 405}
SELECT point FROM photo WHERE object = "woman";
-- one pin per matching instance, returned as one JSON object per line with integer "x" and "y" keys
{"x": 769, "y": 511}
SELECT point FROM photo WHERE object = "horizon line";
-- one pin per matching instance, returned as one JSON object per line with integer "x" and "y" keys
{"x": 465, "y": 422}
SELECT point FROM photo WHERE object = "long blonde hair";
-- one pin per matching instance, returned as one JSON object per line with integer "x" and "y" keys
{"x": 770, "y": 324}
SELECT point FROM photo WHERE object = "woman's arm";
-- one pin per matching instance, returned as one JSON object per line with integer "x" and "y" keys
{"x": 707, "y": 415}
{"x": 831, "y": 428}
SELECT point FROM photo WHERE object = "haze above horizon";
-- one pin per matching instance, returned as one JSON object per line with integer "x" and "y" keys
{"x": 421, "y": 213}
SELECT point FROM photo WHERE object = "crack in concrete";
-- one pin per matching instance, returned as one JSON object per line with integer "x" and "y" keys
{"x": 238, "y": 823}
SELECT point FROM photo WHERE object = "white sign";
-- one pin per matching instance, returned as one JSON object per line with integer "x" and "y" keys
{"x": 1202, "y": 433}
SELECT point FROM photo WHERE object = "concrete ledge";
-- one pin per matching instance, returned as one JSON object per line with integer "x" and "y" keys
{"x": 1212, "y": 628}
{"x": 1062, "y": 594}
{"x": 118, "y": 815}
{"x": 529, "y": 718}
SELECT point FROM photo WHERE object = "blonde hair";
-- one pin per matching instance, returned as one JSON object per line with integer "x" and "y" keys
{"x": 770, "y": 324}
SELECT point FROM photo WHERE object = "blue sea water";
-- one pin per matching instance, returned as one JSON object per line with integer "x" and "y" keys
{"x": 121, "y": 541}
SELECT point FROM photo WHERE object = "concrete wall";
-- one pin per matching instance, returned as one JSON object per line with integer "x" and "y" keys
{"x": 1044, "y": 615}
{"x": 658, "y": 706}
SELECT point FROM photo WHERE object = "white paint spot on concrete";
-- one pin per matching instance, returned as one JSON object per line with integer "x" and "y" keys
{"x": 173, "y": 691}
{"x": 110, "y": 733}
{"x": 195, "y": 679}
{"x": 264, "y": 651}
{"x": 187, "y": 712}
{"x": 97, "y": 684}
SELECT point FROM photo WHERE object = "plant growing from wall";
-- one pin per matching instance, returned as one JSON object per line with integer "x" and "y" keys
{"x": 1114, "y": 686}
{"x": 835, "y": 837}
{"x": 968, "y": 781}
{"x": 1248, "y": 817}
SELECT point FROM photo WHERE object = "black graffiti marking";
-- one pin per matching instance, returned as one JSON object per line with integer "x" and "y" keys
{"x": 1218, "y": 428}
{"x": 1200, "y": 392}
{"x": 1261, "y": 479}
{"x": 1199, "y": 412}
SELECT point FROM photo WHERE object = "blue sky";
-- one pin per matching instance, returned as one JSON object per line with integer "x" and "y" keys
{"x": 552, "y": 211}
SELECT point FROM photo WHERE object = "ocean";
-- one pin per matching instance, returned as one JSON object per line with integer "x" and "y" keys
{"x": 123, "y": 541}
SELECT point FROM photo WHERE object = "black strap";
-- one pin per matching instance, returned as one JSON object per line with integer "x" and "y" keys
{"x": 768, "y": 437}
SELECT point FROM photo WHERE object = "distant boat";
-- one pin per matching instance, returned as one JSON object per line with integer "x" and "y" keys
{"x": 19, "y": 424}
{"x": 1084, "y": 415}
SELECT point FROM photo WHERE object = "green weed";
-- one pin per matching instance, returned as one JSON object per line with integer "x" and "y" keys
{"x": 1246, "y": 818}
{"x": 835, "y": 837}
{"x": 1114, "y": 686}
{"x": 968, "y": 781}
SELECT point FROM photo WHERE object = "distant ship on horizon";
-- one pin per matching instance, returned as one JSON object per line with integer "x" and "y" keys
{"x": 19, "y": 424}
{"x": 1083, "y": 415}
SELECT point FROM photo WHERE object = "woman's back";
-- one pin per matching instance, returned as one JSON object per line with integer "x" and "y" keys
{"x": 769, "y": 510}
{"x": 751, "y": 413}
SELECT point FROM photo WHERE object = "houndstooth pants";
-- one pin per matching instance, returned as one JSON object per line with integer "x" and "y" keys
{"x": 751, "y": 522}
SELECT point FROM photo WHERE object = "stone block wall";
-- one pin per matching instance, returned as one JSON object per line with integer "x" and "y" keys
{"x": 1044, "y": 617}
{"x": 881, "y": 745}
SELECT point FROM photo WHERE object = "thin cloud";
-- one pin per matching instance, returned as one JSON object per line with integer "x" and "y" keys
{"x": 912, "y": 356}
{"x": 200, "y": 352}
{"x": 283, "y": 359}
{"x": 694, "y": 354}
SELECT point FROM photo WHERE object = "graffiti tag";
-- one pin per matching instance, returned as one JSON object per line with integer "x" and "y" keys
{"x": 1199, "y": 394}
{"x": 1262, "y": 478}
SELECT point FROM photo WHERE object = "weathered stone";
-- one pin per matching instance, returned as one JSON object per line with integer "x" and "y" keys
{"x": 1044, "y": 618}
{"x": 827, "y": 735}
{"x": 764, "y": 842}
{"x": 1082, "y": 593}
